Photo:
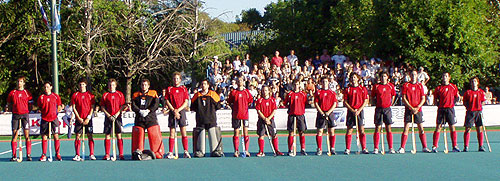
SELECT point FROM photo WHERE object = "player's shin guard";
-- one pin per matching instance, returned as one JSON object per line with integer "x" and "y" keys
{"x": 91, "y": 147}
{"x": 171, "y": 144}
{"x": 185, "y": 143}
{"x": 466, "y": 138}
{"x": 107, "y": 146}
{"x": 155, "y": 141}
{"x": 28, "y": 147}
{"x": 57, "y": 145}
{"x": 423, "y": 139}
{"x": 261, "y": 145}
{"x": 120, "y": 146}
{"x": 302, "y": 142}
{"x": 236, "y": 143}
{"x": 404, "y": 138}
{"x": 480, "y": 138}
{"x": 14, "y": 147}
{"x": 454, "y": 138}
{"x": 435, "y": 139}
{"x": 137, "y": 138}
{"x": 376, "y": 139}
{"x": 77, "y": 147}
{"x": 319, "y": 142}
{"x": 247, "y": 142}
{"x": 389, "y": 139}
{"x": 275, "y": 144}
{"x": 44, "y": 147}
{"x": 348, "y": 139}
{"x": 332, "y": 141}
{"x": 363, "y": 140}
{"x": 290, "y": 143}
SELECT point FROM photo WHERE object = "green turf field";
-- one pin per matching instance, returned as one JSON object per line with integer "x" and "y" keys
{"x": 422, "y": 166}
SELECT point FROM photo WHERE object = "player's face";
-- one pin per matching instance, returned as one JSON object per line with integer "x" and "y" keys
{"x": 204, "y": 86}
{"x": 48, "y": 88}
{"x": 241, "y": 82}
{"x": 355, "y": 80}
{"x": 413, "y": 76}
{"x": 145, "y": 86}
{"x": 83, "y": 87}
{"x": 112, "y": 86}
{"x": 266, "y": 92}
{"x": 446, "y": 78}
{"x": 20, "y": 83}
{"x": 325, "y": 83}
{"x": 385, "y": 78}
{"x": 177, "y": 80}
{"x": 475, "y": 83}
{"x": 296, "y": 87}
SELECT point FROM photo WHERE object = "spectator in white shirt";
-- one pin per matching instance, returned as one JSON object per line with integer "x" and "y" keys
{"x": 339, "y": 58}
{"x": 292, "y": 58}
{"x": 237, "y": 63}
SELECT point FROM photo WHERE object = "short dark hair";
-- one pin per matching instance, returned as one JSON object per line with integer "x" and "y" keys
{"x": 84, "y": 80}
{"x": 146, "y": 80}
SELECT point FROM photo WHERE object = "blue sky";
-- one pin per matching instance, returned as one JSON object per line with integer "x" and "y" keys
{"x": 233, "y": 7}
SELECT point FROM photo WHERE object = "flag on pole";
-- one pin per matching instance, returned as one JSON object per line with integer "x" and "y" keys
{"x": 44, "y": 16}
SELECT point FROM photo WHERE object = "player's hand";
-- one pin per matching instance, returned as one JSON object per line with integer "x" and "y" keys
{"x": 86, "y": 121}
{"x": 268, "y": 121}
{"x": 80, "y": 120}
{"x": 358, "y": 112}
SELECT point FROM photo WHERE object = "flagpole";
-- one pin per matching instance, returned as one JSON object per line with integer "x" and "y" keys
{"x": 55, "y": 73}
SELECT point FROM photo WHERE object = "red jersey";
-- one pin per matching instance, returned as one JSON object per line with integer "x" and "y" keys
{"x": 240, "y": 101}
{"x": 177, "y": 96}
{"x": 473, "y": 100}
{"x": 266, "y": 106}
{"x": 296, "y": 102}
{"x": 414, "y": 93}
{"x": 446, "y": 94}
{"x": 325, "y": 99}
{"x": 355, "y": 96}
{"x": 383, "y": 94}
{"x": 48, "y": 106}
{"x": 83, "y": 103}
{"x": 19, "y": 100}
{"x": 277, "y": 61}
{"x": 112, "y": 101}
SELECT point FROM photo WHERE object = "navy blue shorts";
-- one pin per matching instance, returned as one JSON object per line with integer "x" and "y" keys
{"x": 473, "y": 118}
{"x": 446, "y": 115}
{"x": 383, "y": 115}
{"x": 350, "y": 122}
{"x": 418, "y": 118}
{"x": 300, "y": 121}
{"x": 322, "y": 121}
{"x": 261, "y": 131}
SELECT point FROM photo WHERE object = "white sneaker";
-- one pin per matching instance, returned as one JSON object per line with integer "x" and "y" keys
{"x": 347, "y": 152}
{"x": 375, "y": 151}
{"x": 186, "y": 154}
{"x": 92, "y": 157}
{"x": 401, "y": 150}
{"x": 77, "y": 158}
{"x": 392, "y": 151}
{"x": 170, "y": 155}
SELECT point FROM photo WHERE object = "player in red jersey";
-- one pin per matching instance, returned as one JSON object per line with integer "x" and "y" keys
{"x": 49, "y": 104}
{"x": 445, "y": 97}
{"x": 176, "y": 100}
{"x": 355, "y": 99}
{"x": 383, "y": 93}
{"x": 83, "y": 103}
{"x": 325, "y": 101}
{"x": 473, "y": 101}
{"x": 239, "y": 100}
{"x": 296, "y": 103}
{"x": 414, "y": 99}
{"x": 112, "y": 104}
{"x": 18, "y": 102}
{"x": 266, "y": 107}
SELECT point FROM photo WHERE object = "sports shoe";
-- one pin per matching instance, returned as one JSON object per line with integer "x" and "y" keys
{"x": 466, "y": 149}
{"x": 43, "y": 158}
{"x": 332, "y": 151}
{"x": 426, "y": 150}
{"x": 106, "y": 157}
{"x": 237, "y": 154}
{"x": 247, "y": 154}
{"x": 392, "y": 151}
{"x": 401, "y": 150}
{"x": 122, "y": 157}
{"x": 290, "y": 153}
{"x": 375, "y": 151}
{"x": 365, "y": 151}
{"x": 77, "y": 158}
{"x": 303, "y": 152}
{"x": 347, "y": 152}
{"x": 434, "y": 149}
{"x": 186, "y": 154}
{"x": 456, "y": 149}
{"x": 170, "y": 155}
{"x": 28, "y": 157}
{"x": 278, "y": 153}
{"x": 58, "y": 157}
{"x": 261, "y": 154}
{"x": 92, "y": 157}
{"x": 13, "y": 159}
{"x": 481, "y": 149}
{"x": 319, "y": 152}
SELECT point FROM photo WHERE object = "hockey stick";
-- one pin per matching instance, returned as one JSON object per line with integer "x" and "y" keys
{"x": 294, "y": 146}
{"x": 445, "y": 139}
{"x": 20, "y": 156}
{"x": 382, "y": 137}
{"x": 113, "y": 158}
{"x": 357, "y": 135}
{"x": 50, "y": 142}
{"x": 269, "y": 138}
{"x": 83, "y": 142}
{"x": 485, "y": 134}
{"x": 176, "y": 148}
{"x": 413, "y": 142}
{"x": 243, "y": 153}
{"x": 329, "y": 152}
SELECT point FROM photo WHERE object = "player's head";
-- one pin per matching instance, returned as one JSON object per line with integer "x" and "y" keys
{"x": 474, "y": 82}
{"x": 205, "y": 85}
{"x": 47, "y": 87}
{"x": 177, "y": 79}
{"x": 446, "y": 78}
{"x": 384, "y": 77}
{"x": 266, "y": 91}
{"x": 413, "y": 76}
{"x": 296, "y": 85}
{"x": 354, "y": 79}
{"x": 325, "y": 82}
{"x": 21, "y": 81}
{"x": 112, "y": 84}
{"x": 145, "y": 85}
{"x": 241, "y": 81}
{"x": 82, "y": 85}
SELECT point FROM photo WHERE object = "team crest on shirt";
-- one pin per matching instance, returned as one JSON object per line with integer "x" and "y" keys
{"x": 296, "y": 97}
{"x": 83, "y": 97}
{"x": 20, "y": 95}
{"x": 413, "y": 88}
{"x": 354, "y": 91}
{"x": 446, "y": 90}
{"x": 239, "y": 95}
{"x": 383, "y": 90}
{"x": 48, "y": 99}
{"x": 475, "y": 95}
{"x": 176, "y": 91}
{"x": 112, "y": 97}
{"x": 325, "y": 94}
{"x": 267, "y": 103}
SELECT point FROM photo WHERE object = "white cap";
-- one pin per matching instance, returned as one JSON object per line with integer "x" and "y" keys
{"x": 216, "y": 57}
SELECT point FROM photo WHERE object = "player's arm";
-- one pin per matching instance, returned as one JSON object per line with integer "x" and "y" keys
{"x": 392, "y": 100}
{"x": 318, "y": 108}
{"x": 363, "y": 106}
{"x": 92, "y": 107}
{"x": 183, "y": 106}
{"x": 261, "y": 115}
{"x": 77, "y": 115}
{"x": 103, "y": 109}
{"x": 332, "y": 108}
{"x": 348, "y": 106}
{"x": 407, "y": 103}
{"x": 422, "y": 101}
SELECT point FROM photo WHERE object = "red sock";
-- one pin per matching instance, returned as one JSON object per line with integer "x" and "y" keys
{"x": 28, "y": 147}
{"x": 261, "y": 145}
{"x": 319, "y": 140}
{"x": 14, "y": 147}
{"x": 91, "y": 147}
{"x": 185, "y": 143}
{"x": 171, "y": 143}
{"x": 275, "y": 144}
{"x": 404, "y": 138}
{"x": 466, "y": 138}
{"x": 480, "y": 138}
{"x": 236, "y": 143}
{"x": 57, "y": 144}
{"x": 77, "y": 147}
{"x": 303, "y": 142}
{"x": 332, "y": 141}
{"x": 120, "y": 146}
{"x": 423, "y": 139}
{"x": 44, "y": 147}
{"x": 107, "y": 145}
{"x": 247, "y": 142}
{"x": 363, "y": 140}
{"x": 435, "y": 139}
{"x": 454, "y": 138}
{"x": 376, "y": 139}
{"x": 389, "y": 139}
{"x": 348, "y": 139}
{"x": 290, "y": 143}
